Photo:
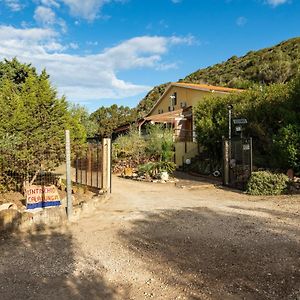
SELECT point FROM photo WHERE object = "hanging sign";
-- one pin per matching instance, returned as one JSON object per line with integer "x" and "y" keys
{"x": 240, "y": 121}
{"x": 38, "y": 196}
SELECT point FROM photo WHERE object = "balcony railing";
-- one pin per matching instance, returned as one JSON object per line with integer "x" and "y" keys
{"x": 184, "y": 135}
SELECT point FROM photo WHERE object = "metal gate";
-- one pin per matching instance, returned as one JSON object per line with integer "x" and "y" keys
{"x": 88, "y": 166}
{"x": 237, "y": 162}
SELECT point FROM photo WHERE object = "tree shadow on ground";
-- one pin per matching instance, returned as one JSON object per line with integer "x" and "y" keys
{"x": 271, "y": 212}
{"x": 219, "y": 255}
{"x": 48, "y": 265}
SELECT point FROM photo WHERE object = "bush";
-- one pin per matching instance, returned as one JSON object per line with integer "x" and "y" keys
{"x": 153, "y": 169}
{"x": 267, "y": 183}
{"x": 160, "y": 143}
{"x": 286, "y": 147}
{"x": 273, "y": 123}
{"x": 7, "y": 183}
{"x": 130, "y": 145}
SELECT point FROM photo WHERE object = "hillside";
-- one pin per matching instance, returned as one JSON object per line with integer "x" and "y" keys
{"x": 278, "y": 64}
{"x": 148, "y": 101}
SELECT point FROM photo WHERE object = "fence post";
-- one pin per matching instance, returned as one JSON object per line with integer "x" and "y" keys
{"x": 226, "y": 150}
{"x": 68, "y": 175}
{"x": 106, "y": 167}
{"x": 251, "y": 156}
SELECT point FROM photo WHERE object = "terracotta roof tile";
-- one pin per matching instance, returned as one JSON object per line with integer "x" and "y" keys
{"x": 206, "y": 87}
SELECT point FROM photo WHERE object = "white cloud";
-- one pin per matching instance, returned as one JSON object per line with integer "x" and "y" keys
{"x": 241, "y": 21}
{"x": 73, "y": 46}
{"x": 86, "y": 9}
{"x": 14, "y": 5}
{"x": 92, "y": 43}
{"x": 33, "y": 34}
{"x": 276, "y": 2}
{"x": 46, "y": 17}
{"x": 50, "y": 3}
{"x": 89, "y": 77}
{"x": 188, "y": 40}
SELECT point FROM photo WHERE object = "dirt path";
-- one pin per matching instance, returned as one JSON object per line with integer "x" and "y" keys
{"x": 162, "y": 242}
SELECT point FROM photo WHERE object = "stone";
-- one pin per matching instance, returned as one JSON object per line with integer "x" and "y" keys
{"x": 9, "y": 219}
{"x": 164, "y": 176}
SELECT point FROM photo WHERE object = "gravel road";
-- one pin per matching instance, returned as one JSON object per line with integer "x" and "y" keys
{"x": 162, "y": 242}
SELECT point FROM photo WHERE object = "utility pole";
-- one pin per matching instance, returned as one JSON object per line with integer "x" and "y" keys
{"x": 68, "y": 175}
{"x": 229, "y": 120}
{"x": 228, "y": 158}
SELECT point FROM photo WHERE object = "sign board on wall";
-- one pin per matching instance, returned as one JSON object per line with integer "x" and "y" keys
{"x": 38, "y": 196}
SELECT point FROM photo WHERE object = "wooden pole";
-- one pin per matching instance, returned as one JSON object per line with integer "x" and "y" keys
{"x": 68, "y": 175}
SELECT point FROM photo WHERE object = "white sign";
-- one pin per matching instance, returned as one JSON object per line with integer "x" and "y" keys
{"x": 38, "y": 196}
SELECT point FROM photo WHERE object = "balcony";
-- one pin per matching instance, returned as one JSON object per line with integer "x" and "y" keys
{"x": 184, "y": 135}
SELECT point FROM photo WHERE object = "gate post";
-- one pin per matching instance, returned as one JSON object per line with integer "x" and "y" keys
{"x": 225, "y": 162}
{"x": 106, "y": 166}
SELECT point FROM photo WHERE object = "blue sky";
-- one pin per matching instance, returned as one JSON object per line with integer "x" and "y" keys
{"x": 100, "y": 52}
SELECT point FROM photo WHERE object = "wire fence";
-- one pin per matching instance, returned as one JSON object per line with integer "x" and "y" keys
{"x": 17, "y": 170}
{"x": 20, "y": 168}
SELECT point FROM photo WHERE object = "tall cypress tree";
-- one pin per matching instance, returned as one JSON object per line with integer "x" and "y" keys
{"x": 33, "y": 120}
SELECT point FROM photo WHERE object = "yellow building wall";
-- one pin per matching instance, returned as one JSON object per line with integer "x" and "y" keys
{"x": 184, "y": 150}
{"x": 190, "y": 96}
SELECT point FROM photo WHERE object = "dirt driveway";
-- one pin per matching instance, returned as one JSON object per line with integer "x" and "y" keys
{"x": 162, "y": 242}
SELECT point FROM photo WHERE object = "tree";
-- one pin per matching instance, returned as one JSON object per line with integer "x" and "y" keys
{"x": 15, "y": 71}
{"x": 273, "y": 122}
{"x": 82, "y": 116}
{"x": 33, "y": 122}
{"x": 278, "y": 64}
{"x": 109, "y": 118}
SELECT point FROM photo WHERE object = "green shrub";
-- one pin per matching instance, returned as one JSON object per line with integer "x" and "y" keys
{"x": 273, "y": 123}
{"x": 129, "y": 145}
{"x": 286, "y": 147}
{"x": 267, "y": 183}
{"x": 153, "y": 169}
{"x": 7, "y": 183}
{"x": 160, "y": 143}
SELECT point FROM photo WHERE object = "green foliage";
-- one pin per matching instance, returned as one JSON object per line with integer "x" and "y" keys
{"x": 145, "y": 105}
{"x": 15, "y": 72}
{"x": 160, "y": 143}
{"x": 7, "y": 183}
{"x": 109, "y": 118}
{"x": 204, "y": 166}
{"x": 82, "y": 117}
{"x": 130, "y": 145}
{"x": 267, "y": 183}
{"x": 32, "y": 121}
{"x": 278, "y": 64}
{"x": 154, "y": 169}
{"x": 268, "y": 112}
{"x": 287, "y": 147}
{"x": 157, "y": 144}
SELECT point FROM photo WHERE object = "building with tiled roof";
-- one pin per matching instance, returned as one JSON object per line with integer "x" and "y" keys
{"x": 175, "y": 109}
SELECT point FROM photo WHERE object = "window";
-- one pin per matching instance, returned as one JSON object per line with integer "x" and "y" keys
{"x": 173, "y": 99}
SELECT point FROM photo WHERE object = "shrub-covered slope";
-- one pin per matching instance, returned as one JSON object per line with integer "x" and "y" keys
{"x": 278, "y": 64}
